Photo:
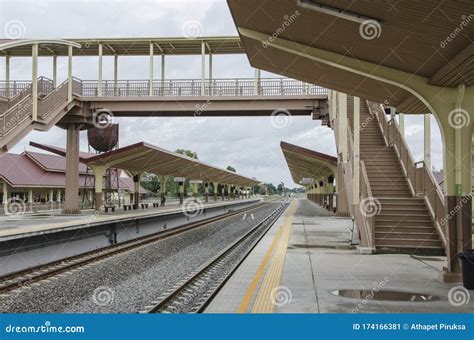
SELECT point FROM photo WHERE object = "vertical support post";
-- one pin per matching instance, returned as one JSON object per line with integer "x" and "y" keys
{"x": 69, "y": 74}
{"x": 356, "y": 165}
{"x": 30, "y": 196}
{"x": 210, "y": 74}
{"x": 343, "y": 126}
{"x": 71, "y": 205}
{"x": 51, "y": 194}
{"x": 116, "y": 75}
{"x": 55, "y": 70}
{"x": 7, "y": 76}
{"x": 5, "y": 193}
{"x": 181, "y": 192}
{"x": 216, "y": 187}
{"x": 203, "y": 67}
{"x": 34, "y": 82}
{"x": 427, "y": 140}
{"x": 163, "y": 180}
{"x": 223, "y": 191}
{"x": 136, "y": 194}
{"x": 58, "y": 196}
{"x": 162, "y": 74}
{"x": 256, "y": 82}
{"x": 206, "y": 192}
{"x": 401, "y": 123}
{"x": 99, "y": 86}
{"x": 99, "y": 173}
{"x": 151, "y": 72}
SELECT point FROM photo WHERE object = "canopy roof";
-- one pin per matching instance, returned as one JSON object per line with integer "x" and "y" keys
{"x": 143, "y": 157}
{"x": 324, "y": 41}
{"x": 306, "y": 163}
{"x": 124, "y": 46}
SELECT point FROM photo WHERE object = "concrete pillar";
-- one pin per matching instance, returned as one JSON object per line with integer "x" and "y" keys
{"x": 5, "y": 193}
{"x": 256, "y": 82}
{"x": 203, "y": 68}
{"x": 30, "y": 196}
{"x": 229, "y": 188}
{"x": 427, "y": 140}
{"x": 58, "y": 196}
{"x": 99, "y": 86}
{"x": 34, "y": 81}
{"x": 71, "y": 204}
{"x": 342, "y": 123}
{"x": 55, "y": 70}
{"x": 223, "y": 191}
{"x": 151, "y": 72}
{"x": 206, "y": 192}
{"x": 342, "y": 205}
{"x": 7, "y": 76}
{"x": 216, "y": 193}
{"x": 163, "y": 180}
{"x": 51, "y": 194}
{"x": 401, "y": 123}
{"x": 194, "y": 190}
{"x": 136, "y": 193}
{"x": 99, "y": 173}
{"x": 181, "y": 192}
{"x": 69, "y": 73}
{"x": 356, "y": 152}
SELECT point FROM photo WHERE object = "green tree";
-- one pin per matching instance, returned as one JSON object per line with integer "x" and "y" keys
{"x": 230, "y": 168}
{"x": 188, "y": 153}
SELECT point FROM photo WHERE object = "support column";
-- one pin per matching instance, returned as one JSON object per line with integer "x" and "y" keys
{"x": 216, "y": 193}
{"x": 58, "y": 196}
{"x": 99, "y": 173}
{"x": 34, "y": 82}
{"x": 7, "y": 76}
{"x": 116, "y": 90}
{"x": 331, "y": 192}
{"x": 342, "y": 123}
{"x": 356, "y": 151}
{"x": 210, "y": 74}
{"x": 163, "y": 180}
{"x": 136, "y": 193}
{"x": 181, "y": 192}
{"x": 162, "y": 74}
{"x": 55, "y": 70}
{"x": 51, "y": 194}
{"x": 206, "y": 192}
{"x": 5, "y": 193}
{"x": 342, "y": 205}
{"x": 256, "y": 82}
{"x": 151, "y": 71}
{"x": 99, "y": 85}
{"x": 69, "y": 73}
{"x": 223, "y": 191}
{"x": 229, "y": 188}
{"x": 401, "y": 123}
{"x": 71, "y": 204}
{"x": 427, "y": 140}
{"x": 203, "y": 68}
{"x": 30, "y": 196}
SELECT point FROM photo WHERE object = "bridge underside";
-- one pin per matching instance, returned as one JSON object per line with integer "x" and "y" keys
{"x": 207, "y": 106}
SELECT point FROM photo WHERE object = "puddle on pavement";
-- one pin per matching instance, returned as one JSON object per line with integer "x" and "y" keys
{"x": 384, "y": 295}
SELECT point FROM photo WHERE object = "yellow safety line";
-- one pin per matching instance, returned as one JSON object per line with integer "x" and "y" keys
{"x": 278, "y": 246}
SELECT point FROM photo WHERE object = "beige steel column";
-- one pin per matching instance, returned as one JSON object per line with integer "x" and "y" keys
{"x": 203, "y": 67}
{"x": 51, "y": 194}
{"x": 223, "y": 191}
{"x": 34, "y": 82}
{"x": 30, "y": 196}
{"x": 116, "y": 75}
{"x": 342, "y": 114}
{"x": 58, "y": 195}
{"x": 401, "y": 123}
{"x": 136, "y": 190}
{"x": 5, "y": 193}
{"x": 210, "y": 74}
{"x": 181, "y": 192}
{"x": 162, "y": 74}
{"x": 151, "y": 72}
{"x": 99, "y": 85}
{"x": 55, "y": 70}
{"x": 71, "y": 204}
{"x": 69, "y": 73}
{"x": 206, "y": 192}
{"x": 427, "y": 140}
{"x": 256, "y": 81}
{"x": 99, "y": 172}
{"x": 356, "y": 150}
{"x": 7, "y": 76}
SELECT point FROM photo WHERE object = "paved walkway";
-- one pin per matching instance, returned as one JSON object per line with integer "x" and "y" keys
{"x": 307, "y": 256}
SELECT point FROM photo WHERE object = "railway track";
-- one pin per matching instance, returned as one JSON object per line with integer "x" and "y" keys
{"x": 194, "y": 293}
{"x": 31, "y": 275}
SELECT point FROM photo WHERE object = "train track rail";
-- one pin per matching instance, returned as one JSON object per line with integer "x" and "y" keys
{"x": 26, "y": 277}
{"x": 194, "y": 293}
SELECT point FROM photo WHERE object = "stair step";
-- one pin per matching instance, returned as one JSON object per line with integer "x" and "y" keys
{"x": 404, "y": 228}
{"x": 398, "y": 235}
{"x": 408, "y": 243}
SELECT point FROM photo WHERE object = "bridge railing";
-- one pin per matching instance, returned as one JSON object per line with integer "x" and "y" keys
{"x": 195, "y": 87}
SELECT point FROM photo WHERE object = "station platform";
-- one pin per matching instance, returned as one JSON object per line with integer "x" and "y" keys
{"x": 307, "y": 258}
{"x": 25, "y": 225}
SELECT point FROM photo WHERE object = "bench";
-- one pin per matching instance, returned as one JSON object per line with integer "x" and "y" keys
{"x": 144, "y": 205}
{"x": 156, "y": 204}
{"x": 127, "y": 207}
{"x": 111, "y": 207}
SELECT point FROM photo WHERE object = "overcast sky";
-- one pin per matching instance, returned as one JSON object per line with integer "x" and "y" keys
{"x": 251, "y": 145}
